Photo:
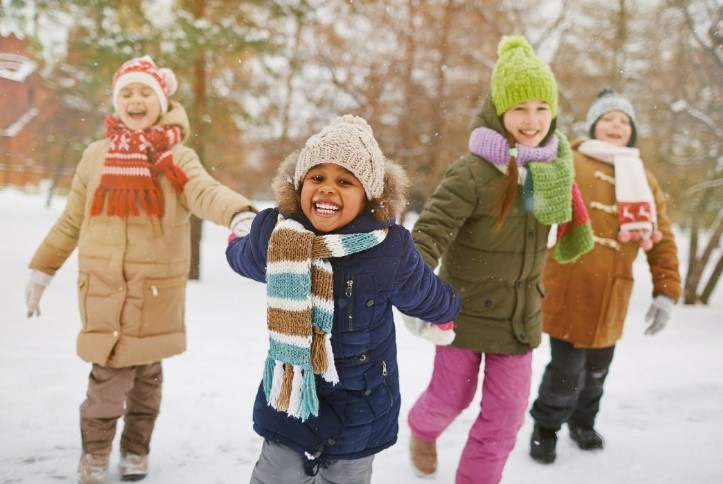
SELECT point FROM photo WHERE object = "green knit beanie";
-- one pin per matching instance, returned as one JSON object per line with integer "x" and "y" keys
{"x": 520, "y": 76}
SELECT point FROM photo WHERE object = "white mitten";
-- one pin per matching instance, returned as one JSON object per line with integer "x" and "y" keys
{"x": 439, "y": 334}
{"x": 659, "y": 313}
{"x": 241, "y": 223}
{"x": 34, "y": 290}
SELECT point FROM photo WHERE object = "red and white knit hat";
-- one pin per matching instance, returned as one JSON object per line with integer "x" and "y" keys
{"x": 144, "y": 70}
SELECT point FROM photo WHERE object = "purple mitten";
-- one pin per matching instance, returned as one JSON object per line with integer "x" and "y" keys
{"x": 490, "y": 145}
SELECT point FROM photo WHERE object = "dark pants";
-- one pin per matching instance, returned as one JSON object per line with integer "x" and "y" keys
{"x": 133, "y": 392}
{"x": 572, "y": 385}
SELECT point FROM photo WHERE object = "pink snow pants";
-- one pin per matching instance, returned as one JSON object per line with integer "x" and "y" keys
{"x": 505, "y": 397}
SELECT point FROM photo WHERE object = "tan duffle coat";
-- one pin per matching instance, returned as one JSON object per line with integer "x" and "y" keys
{"x": 586, "y": 301}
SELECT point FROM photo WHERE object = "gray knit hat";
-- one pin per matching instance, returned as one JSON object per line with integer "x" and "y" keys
{"x": 609, "y": 100}
{"x": 349, "y": 142}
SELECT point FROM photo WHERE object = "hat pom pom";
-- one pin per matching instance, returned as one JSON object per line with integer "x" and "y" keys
{"x": 351, "y": 119}
{"x": 169, "y": 80}
{"x": 510, "y": 42}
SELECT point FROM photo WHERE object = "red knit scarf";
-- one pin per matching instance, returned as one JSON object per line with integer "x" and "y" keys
{"x": 132, "y": 163}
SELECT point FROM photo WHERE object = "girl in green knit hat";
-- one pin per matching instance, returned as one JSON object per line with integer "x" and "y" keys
{"x": 487, "y": 226}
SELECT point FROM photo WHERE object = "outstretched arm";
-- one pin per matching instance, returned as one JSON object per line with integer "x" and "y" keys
{"x": 247, "y": 255}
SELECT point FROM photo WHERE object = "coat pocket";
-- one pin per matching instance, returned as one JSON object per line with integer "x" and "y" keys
{"x": 375, "y": 400}
{"x": 357, "y": 303}
{"x": 163, "y": 305}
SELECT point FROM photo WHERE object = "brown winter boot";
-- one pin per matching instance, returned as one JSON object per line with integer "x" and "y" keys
{"x": 424, "y": 456}
{"x": 93, "y": 468}
{"x": 133, "y": 467}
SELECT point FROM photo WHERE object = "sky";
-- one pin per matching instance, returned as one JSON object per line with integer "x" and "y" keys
{"x": 661, "y": 416}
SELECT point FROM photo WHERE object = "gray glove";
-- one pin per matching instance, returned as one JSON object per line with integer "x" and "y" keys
{"x": 34, "y": 290}
{"x": 241, "y": 223}
{"x": 439, "y": 334}
{"x": 659, "y": 313}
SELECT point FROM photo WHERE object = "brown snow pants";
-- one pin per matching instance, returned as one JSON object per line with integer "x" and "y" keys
{"x": 133, "y": 392}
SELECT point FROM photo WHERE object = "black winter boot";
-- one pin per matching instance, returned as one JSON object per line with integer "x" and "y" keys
{"x": 542, "y": 445}
{"x": 586, "y": 437}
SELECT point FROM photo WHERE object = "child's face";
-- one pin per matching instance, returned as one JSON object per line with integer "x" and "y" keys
{"x": 528, "y": 122}
{"x": 138, "y": 106}
{"x": 614, "y": 127}
{"x": 331, "y": 196}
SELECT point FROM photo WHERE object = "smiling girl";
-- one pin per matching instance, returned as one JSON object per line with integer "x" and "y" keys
{"x": 128, "y": 213}
{"x": 335, "y": 262}
{"x": 628, "y": 212}
{"x": 488, "y": 222}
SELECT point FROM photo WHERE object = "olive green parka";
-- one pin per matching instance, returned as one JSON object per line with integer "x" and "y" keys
{"x": 497, "y": 273}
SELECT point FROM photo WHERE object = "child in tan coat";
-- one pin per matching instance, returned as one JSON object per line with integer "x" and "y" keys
{"x": 128, "y": 213}
{"x": 614, "y": 184}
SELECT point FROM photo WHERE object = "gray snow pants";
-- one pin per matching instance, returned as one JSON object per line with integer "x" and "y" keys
{"x": 279, "y": 464}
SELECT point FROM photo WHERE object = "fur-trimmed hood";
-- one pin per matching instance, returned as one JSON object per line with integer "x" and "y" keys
{"x": 389, "y": 206}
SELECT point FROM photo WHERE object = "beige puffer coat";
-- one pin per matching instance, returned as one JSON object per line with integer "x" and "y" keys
{"x": 133, "y": 270}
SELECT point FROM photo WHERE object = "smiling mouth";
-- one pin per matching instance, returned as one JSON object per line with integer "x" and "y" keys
{"x": 326, "y": 208}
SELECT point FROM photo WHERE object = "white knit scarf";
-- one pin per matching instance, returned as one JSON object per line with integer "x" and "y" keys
{"x": 635, "y": 201}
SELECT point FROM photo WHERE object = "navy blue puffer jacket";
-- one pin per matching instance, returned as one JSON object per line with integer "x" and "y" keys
{"x": 358, "y": 416}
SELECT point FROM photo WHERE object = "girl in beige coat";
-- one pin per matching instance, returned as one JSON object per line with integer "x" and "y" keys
{"x": 128, "y": 214}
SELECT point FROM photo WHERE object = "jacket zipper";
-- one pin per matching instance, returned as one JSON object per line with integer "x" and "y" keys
{"x": 349, "y": 303}
{"x": 386, "y": 385}
{"x": 155, "y": 288}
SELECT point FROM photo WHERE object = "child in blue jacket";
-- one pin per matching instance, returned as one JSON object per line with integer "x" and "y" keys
{"x": 335, "y": 262}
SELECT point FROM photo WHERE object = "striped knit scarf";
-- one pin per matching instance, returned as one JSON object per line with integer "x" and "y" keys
{"x": 133, "y": 160}
{"x": 301, "y": 312}
{"x": 548, "y": 187}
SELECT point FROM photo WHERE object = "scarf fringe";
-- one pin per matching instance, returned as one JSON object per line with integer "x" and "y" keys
{"x": 309, "y": 404}
{"x": 97, "y": 206}
{"x": 295, "y": 397}
{"x": 124, "y": 201}
{"x": 290, "y": 388}
{"x": 273, "y": 372}
{"x": 286, "y": 383}
{"x": 330, "y": 374}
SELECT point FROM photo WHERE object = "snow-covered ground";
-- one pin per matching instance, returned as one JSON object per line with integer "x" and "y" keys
{"x": 662, "y": 414}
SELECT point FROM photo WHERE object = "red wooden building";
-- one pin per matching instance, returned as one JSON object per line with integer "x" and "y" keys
{"x": 19, "y": 84}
